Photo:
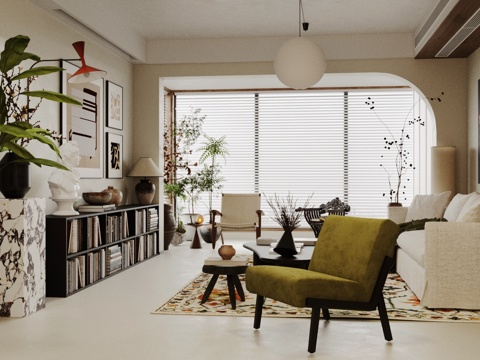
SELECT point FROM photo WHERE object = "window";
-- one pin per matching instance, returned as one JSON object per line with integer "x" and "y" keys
{"x": 328, "y": 143}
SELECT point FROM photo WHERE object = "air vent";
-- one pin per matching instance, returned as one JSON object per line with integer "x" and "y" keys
{"x": 465, "y": 31}
{"x": 429, "y": 22}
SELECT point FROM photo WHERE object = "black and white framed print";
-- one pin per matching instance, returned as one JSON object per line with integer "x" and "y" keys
{"x": 114, "y": 106}
{"x": 84, "y": 124}
{"x": 114, "y": 156}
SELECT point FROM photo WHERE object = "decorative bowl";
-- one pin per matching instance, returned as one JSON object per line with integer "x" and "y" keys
{"x": 97, "y": 198}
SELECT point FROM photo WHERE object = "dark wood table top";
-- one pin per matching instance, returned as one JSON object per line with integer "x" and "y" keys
{"x": 263, "y": 256}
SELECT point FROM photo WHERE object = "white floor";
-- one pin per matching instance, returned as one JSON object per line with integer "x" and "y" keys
{"x": 112, "y": 320}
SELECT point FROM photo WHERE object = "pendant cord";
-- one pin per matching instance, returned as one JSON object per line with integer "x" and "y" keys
{"x": 301, "y": 15}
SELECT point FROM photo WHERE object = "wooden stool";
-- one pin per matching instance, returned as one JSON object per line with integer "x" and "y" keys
{"x": 233, "y": 281}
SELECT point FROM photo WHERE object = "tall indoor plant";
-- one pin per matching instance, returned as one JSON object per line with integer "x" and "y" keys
{"x": 16, "y": 111}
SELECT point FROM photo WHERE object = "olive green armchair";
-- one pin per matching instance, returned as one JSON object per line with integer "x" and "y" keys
{"x": 348, "y": 270}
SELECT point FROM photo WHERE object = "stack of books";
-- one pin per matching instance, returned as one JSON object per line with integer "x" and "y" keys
{"x": 237, "y": 260}
{"x": 114, "y": 259}
{"x": 96, "y": 208}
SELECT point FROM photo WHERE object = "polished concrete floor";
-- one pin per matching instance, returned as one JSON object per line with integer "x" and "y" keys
{"x": 112, "y": 320}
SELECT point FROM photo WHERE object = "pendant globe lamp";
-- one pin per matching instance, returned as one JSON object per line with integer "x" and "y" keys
{"x": 145, "y": 168}
{"x": 300, "y": 62}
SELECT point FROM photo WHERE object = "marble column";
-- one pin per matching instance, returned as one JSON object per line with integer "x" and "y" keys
{"x": 22, "y": 256}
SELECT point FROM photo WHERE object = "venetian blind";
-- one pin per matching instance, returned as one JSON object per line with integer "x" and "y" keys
{"x": 326, "y": 143}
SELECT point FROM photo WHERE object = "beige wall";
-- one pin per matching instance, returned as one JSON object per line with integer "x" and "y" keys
{"x": 51, "y": 39}
{"x": 473, "y": 119}
{"x": 431, "y": 77}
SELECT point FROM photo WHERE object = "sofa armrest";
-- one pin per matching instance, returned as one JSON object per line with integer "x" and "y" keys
{"x": 397, "y": 213}
{"x": 452, "y": 265}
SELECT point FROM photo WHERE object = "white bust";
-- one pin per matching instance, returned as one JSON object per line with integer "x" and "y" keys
{"x": 66, "y": 184}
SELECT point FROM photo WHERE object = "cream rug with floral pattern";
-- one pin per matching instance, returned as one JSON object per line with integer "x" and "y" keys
{"x": 401, "y": 304}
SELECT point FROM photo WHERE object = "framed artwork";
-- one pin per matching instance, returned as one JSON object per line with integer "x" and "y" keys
{"x": 114, "y": 106}
{"x": 114, "y": 156}
{"x": 84, "y": 124}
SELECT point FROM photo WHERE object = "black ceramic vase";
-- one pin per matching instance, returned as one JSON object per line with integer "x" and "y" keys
{"x": 286, "y": 245}
{"x": 14, "y": 177}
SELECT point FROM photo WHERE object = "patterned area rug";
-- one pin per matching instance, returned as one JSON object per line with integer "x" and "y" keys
{"x": 401, "y": 304}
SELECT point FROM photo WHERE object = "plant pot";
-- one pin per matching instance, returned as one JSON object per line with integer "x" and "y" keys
{"x": 286, "y": 245}
{"x": 168, "y": 225}
{"x": 14, "y": 177}
{"x": 206, "y": 233}
{"x": 395, "y": 204}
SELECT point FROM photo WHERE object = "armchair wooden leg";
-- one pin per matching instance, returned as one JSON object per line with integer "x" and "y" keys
{"x": 258, "y": 312}
{"x": 326, "y": 314}
{"x": 314, "y": 321}
{"x": 382, "y": 311}
{"x": 214, "y": 235}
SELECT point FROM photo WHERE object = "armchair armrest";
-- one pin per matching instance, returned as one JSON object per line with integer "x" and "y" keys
{"x": 452, "y": 265}
{"x": 397, "y": 214}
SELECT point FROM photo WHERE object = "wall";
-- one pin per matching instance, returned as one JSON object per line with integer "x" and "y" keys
{"x": 473, "y": 119}
{"x": 431, "y": 77}
{"x": 51, "y": 39}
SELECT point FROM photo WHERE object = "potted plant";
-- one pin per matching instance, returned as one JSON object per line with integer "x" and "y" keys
{"x": 285, "y": 214}
{"x": 16, "y": 111}
{"x": 397, "y": 143}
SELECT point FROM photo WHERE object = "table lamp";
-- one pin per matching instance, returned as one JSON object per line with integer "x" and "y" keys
{"x": 145, "y": 168}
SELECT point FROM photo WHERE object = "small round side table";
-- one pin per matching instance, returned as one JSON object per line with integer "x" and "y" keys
{"x": 233, "y": 281}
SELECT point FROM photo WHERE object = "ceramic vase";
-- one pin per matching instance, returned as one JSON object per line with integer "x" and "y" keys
{"x": 117, "y": 195}
{"x": 226, "y": 252}
{"x": 286, "y": 245}
{"x": 168, "y": 225}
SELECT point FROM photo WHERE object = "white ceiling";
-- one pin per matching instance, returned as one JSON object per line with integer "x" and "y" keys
{"x": 132, "y": 24}
{"x": 180, "y": 19}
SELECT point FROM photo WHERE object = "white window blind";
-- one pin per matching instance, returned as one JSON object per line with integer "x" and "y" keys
{"x": 329, "y": 143}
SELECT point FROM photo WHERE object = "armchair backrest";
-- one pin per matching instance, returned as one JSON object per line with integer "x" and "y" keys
{"x": 240, "y": 208}
{"x": 354, "y": 248}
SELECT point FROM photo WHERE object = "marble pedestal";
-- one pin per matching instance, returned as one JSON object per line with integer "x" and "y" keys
{"x": 22, "y": 256}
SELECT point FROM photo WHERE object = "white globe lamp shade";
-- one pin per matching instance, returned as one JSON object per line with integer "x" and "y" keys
{"x": 300, "y": 63}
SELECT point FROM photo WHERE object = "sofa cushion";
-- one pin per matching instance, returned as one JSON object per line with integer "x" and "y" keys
{"x": 455, "y": 206}
{"x": 413, "y": 243}
{"x": 472, "y": 215}
{"x": 472, "y": 202}
{"x": 428, "y": 206}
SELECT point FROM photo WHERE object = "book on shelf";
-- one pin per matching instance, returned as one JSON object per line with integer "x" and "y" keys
{"x": 237, "y": 260}
{"x": 95, "y": 208}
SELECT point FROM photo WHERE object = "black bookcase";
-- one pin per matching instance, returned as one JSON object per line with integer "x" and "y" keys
{"x": 82, "y": 250}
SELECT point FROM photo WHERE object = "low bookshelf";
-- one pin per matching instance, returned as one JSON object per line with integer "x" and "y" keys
{"x": 85, "y": 249}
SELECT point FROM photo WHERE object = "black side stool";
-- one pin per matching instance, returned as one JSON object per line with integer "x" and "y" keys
{"x": 233, "y": 281}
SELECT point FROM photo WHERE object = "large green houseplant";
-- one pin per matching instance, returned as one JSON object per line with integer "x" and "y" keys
{"x": 18, "y": 104}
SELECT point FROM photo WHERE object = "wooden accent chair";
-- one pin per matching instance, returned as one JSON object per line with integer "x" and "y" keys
{"x": 313, "y": 216}
{"x": 348, "y": 270}
{"x": 240, "y": 212}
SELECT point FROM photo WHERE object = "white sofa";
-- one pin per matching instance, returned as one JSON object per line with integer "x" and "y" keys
{"x": 441, "y": 264}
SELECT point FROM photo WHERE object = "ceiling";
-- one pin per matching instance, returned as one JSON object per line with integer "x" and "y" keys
{"x": 132, "y": 25}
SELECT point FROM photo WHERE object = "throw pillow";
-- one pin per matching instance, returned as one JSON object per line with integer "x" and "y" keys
{"x": 455, "y": 206}
{"x": 472, "y": 202}
{"x": 427, "y": 206}
{"x": 472, "y": 215}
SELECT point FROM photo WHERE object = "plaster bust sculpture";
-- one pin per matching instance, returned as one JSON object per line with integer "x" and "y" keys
{"x": 65, "y": 185}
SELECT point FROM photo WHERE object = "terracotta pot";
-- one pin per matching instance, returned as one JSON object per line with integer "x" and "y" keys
{"x": 117, "y": 195}
{"x": 226, "y": 252}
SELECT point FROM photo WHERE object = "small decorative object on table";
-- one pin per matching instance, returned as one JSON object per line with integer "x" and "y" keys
{"x": 117, "y": 195}
{"x": 226, "y": 252}
{"x": 97, "y": 198}
{"x": 289, "y": 219}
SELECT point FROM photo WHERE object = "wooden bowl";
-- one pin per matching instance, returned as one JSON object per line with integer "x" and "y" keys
{"x": 97, "y": 198}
